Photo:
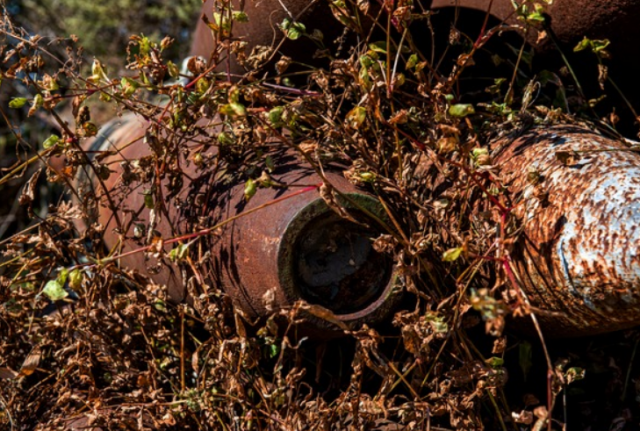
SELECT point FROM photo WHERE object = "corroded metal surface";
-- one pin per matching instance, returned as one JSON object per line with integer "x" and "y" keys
{"x": 262, "y": 29}
{"x": 270, "y": 258}
{"x": 265, "y": 260}
{"x": 571, "y": 21}
{"x": 502, "y": 9}
{"x": 578, "y": 197}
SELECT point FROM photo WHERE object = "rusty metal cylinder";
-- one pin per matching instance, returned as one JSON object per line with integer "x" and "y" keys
{"x": 577, "y": 195}
{"x": 570, "y": 20}
{"x": 262, "y": 28}
{"x": 285, "y": 244}
{"x": 302, "y": 249}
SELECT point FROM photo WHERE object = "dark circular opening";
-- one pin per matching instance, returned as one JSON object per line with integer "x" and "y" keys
{"x": 336, "y": 265}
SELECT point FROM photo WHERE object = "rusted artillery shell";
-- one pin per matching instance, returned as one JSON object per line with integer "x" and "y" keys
{"x": 262, "y": 29}
{"x": 578, "y": 196}
{"x": 294, "y": 248}
{"x": 571, "y": 20}
{"x": 301, "y": 249}
{"x": 502, "y": 9}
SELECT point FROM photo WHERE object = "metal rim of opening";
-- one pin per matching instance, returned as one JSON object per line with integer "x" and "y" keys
{"x": 379, "y": 302}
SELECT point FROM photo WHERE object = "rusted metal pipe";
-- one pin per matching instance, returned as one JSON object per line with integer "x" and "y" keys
{"x": 571, "y": 20}
{"x": 262, "y": 28}
{"x": 578, "y": 196}
{"x": 294, "y": 248}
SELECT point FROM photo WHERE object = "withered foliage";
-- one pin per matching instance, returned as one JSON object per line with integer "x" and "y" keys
{"x": 85, "y": 341}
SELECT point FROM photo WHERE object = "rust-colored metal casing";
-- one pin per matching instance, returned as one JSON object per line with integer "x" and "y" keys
{"x": 262, "y": 28}
{"x": 301, "y": 249}
{"x": 578, "y": 196}
{"x": 277, "y": 250}
{"x": 571, "y": 21}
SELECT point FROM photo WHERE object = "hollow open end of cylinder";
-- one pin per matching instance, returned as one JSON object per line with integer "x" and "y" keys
{"x": 330, "y": 261}
{"x": 337, "y": 267}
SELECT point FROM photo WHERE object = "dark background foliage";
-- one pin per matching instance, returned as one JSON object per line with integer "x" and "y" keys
{"x": 104, "y": 27}
{"x": 103, "y": 30}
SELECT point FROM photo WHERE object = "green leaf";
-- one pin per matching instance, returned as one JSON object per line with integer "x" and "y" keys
{"x": 293, "y": 29}
{"x": 220, "y": 22}
{"x": 38, "y": 101}
{"x": 574, "y": 374}
{"x": 250, "y": 189}
{"x": 240, "y": 16}
{"x": 380, "y": 46}
{"x": 368, "y": 177}
{"x": 89, "y": 129}
{"x": 145, "y": 46}
{"x": 286, "y": 24}
{"x": 481, "y": 156}
{"x": 524, "y": 358}
{"x": 461, "y": 110}
{"x": 233, "y": 110}
{"x": 75, "y": 279}
{"x": 356, "y": 117}
{"x": 148, "y": 199}
{"x": 596, "y": 46}
{"x": 582, "y": 45}
{"x": 495, "y": 362}
{"x": 536, "y": 17}
{"x": 599, "y": 45}
{"x": 174, "y": 71}
{"x": 50, "y": 142}
{"x": 129, "y": 86}
{"x": 413, "y": 60}
{"x": 439, "y": 325}
{"x": 17, "y": 102}
{"x": 54, "y": 290}
{"x": 271, "y": 166}
{"x": 275, "y": 117}
{"x": 274, "y": 350}
{"x": 366, "y": 61}
{"x": 97, "y": 71}
{"x": 179, "y": 252}
{"x": 225, "y": 138}
{"x": 452, "y": 254}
